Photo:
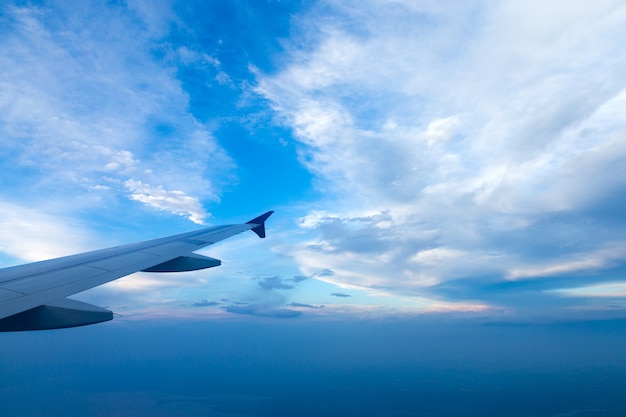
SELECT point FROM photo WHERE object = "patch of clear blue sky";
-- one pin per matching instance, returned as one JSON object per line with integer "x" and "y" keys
{"x": 242, "y": 35}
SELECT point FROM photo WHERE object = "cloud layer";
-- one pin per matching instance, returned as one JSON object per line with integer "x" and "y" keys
{"x": 467, "y": 141}
{"x": 466, "y": 156}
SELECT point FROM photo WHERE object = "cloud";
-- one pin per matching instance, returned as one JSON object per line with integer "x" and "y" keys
{"x": 441, "y": 130}
{"x": 142, "y": 283}
{"x": 265, "y": 302}
{"x": 299, "y": 278}
{"x": 205, "y": 303}
{"x": 262, "y": 311}
{"x": 599, "y": 290}
{"x": 88, "y": 111}
{"x": 340, "y": 294}
{"x": 304, "y": 305}
{"x": 610, "y": 256}
{"x": 274, "y": 283}
{"x": 477, "y": 144}
{"x": 171, "y": 201}
{"x": 28, "y": 234}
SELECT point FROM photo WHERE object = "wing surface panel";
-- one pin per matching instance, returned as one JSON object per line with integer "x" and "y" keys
{"x": 40, "y": 282}
{"x": 123, "y": 260}
{"x": 7, "y": 294}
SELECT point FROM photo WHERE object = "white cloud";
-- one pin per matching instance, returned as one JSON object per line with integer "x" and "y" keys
{"x": 171, "y": 201}
{"x": 436, "y": 256}
{"x": 441, "y": 130}
{"x": 609, "y": 256}
{"x": 476, "y": 127}
{"x": 87, "y": 106}
{"x": 600, "y": 290}
{"x": 32, "y": 235}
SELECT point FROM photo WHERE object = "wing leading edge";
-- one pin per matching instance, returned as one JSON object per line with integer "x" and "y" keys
{"x": 33, "y": 296}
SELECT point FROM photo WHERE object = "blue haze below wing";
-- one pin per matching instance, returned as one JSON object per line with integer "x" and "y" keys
{"x": 311, "y": 368}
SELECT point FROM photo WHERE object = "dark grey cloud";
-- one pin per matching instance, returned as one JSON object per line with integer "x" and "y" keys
{"x": 262, "y": 311}
{"x": 274, "y": 283}
{"x": 270, "y": 303}
{"x": 304, "y": 305}
{"x": 299, "y": 278}
{"x": 339, "y": 294}
{"x": 205, "y": 303}
{"x": 533, "y": 297}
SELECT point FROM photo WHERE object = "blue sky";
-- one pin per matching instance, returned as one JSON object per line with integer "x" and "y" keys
{"x": 464, "y": 158}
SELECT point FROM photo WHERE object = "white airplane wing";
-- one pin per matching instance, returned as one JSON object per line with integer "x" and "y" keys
{"x": 33, "y": 296}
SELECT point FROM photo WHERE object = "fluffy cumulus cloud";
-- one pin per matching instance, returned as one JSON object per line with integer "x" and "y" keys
{"x": 90, "y": 103}
{"x": 466, "y": 140}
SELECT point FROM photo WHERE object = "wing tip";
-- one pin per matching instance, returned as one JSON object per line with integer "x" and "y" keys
{"x": 260, "y": 222}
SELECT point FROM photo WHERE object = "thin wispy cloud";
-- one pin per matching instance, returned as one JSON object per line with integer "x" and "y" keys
{"x": 87, "y": 106}
{"x": 340, "y": 294}
{"x": 294, "y": 304}
{"x": 262, "y": 310}
{"x": 28, "y": 234}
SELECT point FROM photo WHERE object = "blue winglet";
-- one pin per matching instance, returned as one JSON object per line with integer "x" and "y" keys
{"x": 260, "y": 221}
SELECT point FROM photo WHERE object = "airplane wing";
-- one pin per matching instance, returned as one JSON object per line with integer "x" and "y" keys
{"x": 33, "y": 296}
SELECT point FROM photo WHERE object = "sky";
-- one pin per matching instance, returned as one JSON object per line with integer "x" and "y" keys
{"x": 455, "y": 162}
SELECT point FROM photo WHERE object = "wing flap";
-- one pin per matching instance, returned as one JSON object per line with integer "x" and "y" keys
{"x": 192, "y": 262}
